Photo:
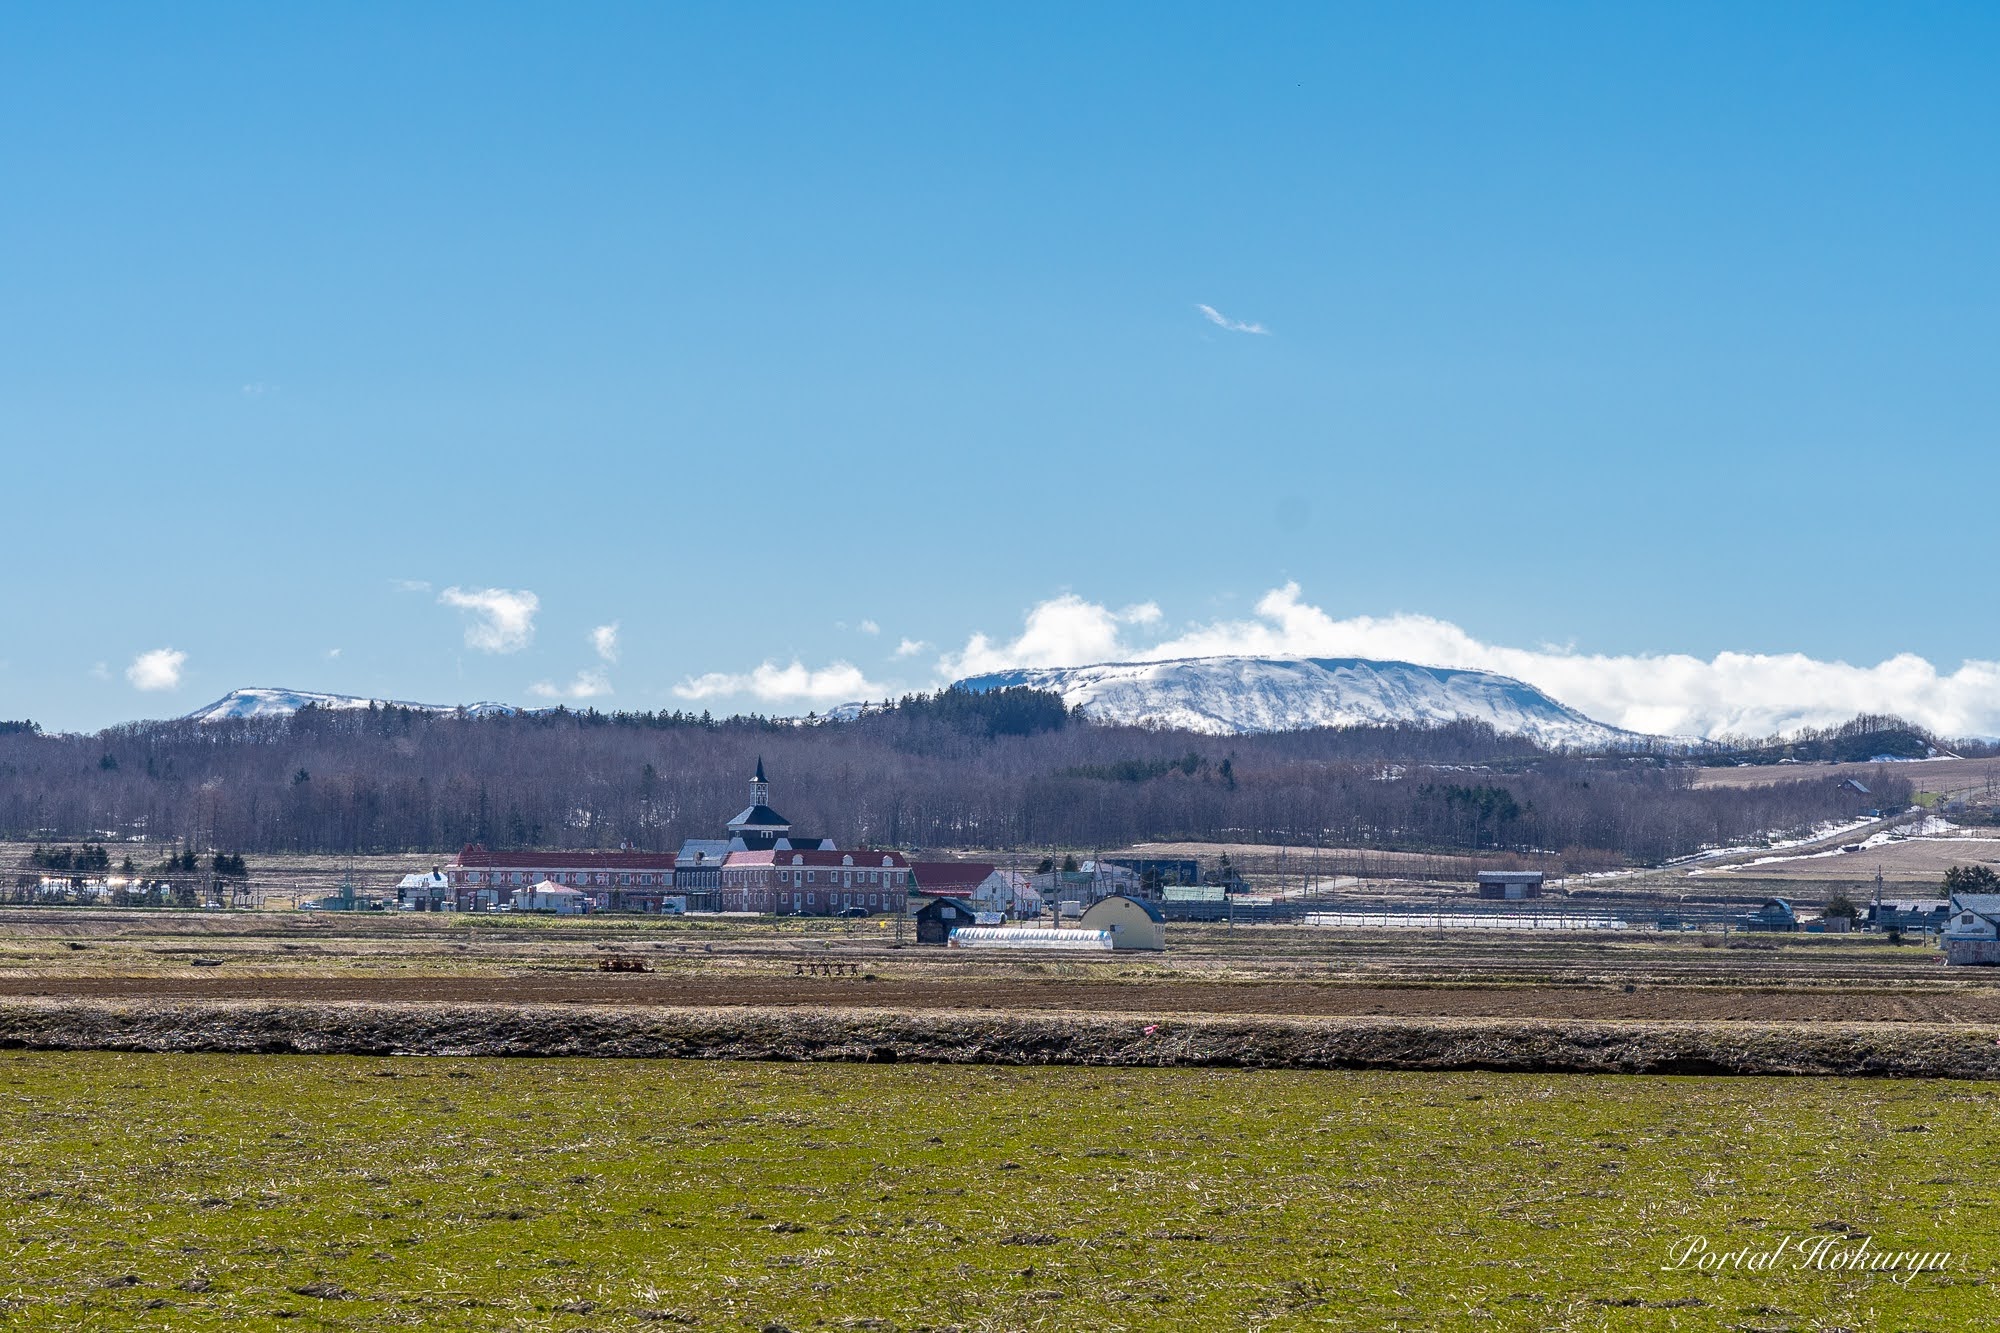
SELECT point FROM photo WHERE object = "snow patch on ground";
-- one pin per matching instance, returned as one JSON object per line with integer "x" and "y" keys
{"x": 1930, "y": 828}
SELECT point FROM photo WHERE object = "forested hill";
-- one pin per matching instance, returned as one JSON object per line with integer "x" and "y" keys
{"x": 1012, "y": 768}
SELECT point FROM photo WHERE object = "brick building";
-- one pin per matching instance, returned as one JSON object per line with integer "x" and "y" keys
{"x": 625, "y": 880}
{"x": 815, "y": 883}
{"x": 762, "y": 866}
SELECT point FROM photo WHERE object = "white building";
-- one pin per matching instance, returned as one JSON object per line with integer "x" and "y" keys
{"x": 550, "y": 897}
{"x": 1972, "y": 931}
{"x": 424, "y": 892}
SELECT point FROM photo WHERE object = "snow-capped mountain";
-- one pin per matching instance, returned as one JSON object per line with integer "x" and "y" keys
{"x": 264, "y": 701}
{"x": 1236, "y": 695}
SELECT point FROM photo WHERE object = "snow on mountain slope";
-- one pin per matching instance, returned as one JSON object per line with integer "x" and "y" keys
{"x": 264, "y": 701}
{"x": 1235, "y": 695}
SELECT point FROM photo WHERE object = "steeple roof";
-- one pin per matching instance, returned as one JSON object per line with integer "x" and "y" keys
{"x": 759, "y": 817}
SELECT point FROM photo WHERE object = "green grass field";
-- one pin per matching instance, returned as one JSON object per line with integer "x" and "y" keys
{"x": 249, "y": 1192}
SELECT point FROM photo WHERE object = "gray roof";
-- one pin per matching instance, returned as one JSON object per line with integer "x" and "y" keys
{"x": 702, "y": 851}
{"x": 759, "y": 816}
{"x": 1986, "y": 904}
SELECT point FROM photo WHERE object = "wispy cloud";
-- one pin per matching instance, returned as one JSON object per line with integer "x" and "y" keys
{"x": 589, "y": 684}
{"x": 410, "y": 585}
{"x": 332, "y": 653}
{"x": 503, "y": 619}
{"x": 604, "y": 641}
{"x": 870, "y": 627}
{"x": 259, "y": 390}
{"x": 159, "y": 669}
{"x": 1669, "y": 693}
{"x": 100, "y": 671}
{"x": 840, "y": 682}
{"x": 1222, "y": 321}
{"x": 911, "y": 647}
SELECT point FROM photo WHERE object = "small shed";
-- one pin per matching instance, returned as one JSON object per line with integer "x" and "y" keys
{"x": 1132, "y": 922}
{"x": 551, "y": 897}
{"x": 1510, "y": 883}
{"x": 1776, "y": 914}
{"x": 938, "y": 917}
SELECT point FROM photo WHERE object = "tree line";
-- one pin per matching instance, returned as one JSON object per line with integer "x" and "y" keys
{"x": 1013, "y": 769}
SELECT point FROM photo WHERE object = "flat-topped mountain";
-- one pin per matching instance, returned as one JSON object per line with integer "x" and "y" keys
{"x": 1238, "y": 695}
{"x": 266, "y": 701}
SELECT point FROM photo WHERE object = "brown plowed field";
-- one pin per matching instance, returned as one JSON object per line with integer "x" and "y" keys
{"x": 1303, "y": 1000}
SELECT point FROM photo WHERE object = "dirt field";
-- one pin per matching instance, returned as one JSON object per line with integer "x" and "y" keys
{"x": 1288, "y": 971}
{"x": 1708, "y": 1004}
{"x": 1911, "y": 862}
{"x": 1939, "y": 775}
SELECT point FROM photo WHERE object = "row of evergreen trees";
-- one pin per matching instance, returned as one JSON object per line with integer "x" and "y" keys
{"x": 95, "y": 858}
{"x": 89, "y": 857}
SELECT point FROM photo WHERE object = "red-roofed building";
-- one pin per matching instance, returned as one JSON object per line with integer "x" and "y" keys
{"x": 957, "y": 879}
{"x": 625, "y": 880}
{"x": 976, "y": 883}
{"x": 815, "y": 883}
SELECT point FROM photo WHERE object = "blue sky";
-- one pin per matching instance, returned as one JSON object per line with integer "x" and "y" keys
{"x": 1594, "y": 334}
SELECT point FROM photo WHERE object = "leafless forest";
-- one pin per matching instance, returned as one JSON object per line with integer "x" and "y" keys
{"x": 1016, "y": 774}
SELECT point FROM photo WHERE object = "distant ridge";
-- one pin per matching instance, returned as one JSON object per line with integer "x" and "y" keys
{"x": 1241, "y": 695}
{"x": 267, "y": 701}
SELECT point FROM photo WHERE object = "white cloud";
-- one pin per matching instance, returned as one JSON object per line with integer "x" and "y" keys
{"x": 911, "y": 647}
{"x": 589, "y": 684}
{"x": 157, "y": 670}
{"x": 1669, "y": 694}
{"x": 840, "y": 682}
{"x": 503, "y": 618}
{"x": 1222, "y": 321}
{"x": 870, "y": 627}
{"x": 332, "y": 653}
{"x": 100, "y": 671}
{"x": 410, "y": 585}
{"x": 258, "y": 390}
{"x": 1063, "y": 631}
{"x": 604, "y": 641}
